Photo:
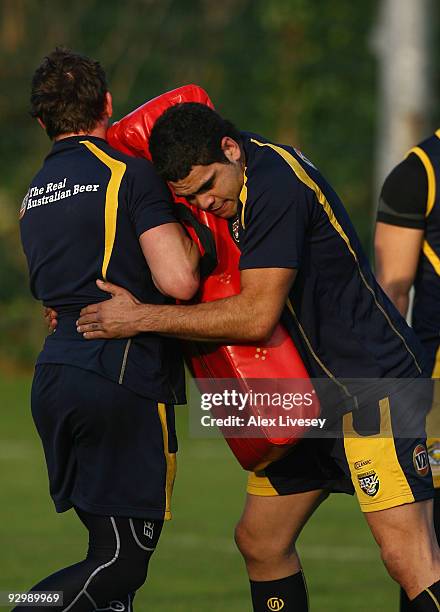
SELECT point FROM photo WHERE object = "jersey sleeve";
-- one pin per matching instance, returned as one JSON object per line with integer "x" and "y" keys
{"x": 404, "y": 195}
{"x": 275, "y": 223}
{"x": 149, "y": 199}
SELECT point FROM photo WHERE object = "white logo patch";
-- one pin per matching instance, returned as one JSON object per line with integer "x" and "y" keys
{"x": 148, "y": 529}
{"x": 304, "y": 158}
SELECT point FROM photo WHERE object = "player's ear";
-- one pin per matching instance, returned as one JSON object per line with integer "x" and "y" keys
{"x": 108, "y": 111}
{"x": 231, "y": 149}
{"x": 41, "y": 123}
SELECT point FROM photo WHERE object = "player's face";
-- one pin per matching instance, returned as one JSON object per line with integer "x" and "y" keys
{"x": 216, "y": 187}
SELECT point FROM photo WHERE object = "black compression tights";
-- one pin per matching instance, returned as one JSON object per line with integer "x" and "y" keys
{"x": 116, "y": 565}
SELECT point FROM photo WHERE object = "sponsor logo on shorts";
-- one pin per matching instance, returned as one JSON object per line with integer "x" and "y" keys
{"x": 420, "y": 460}
{"x": 275, "y": 603}
{"x": 369, "y": 482}
{"x": 359, "y": 464}
{"x": 148, "y": 529}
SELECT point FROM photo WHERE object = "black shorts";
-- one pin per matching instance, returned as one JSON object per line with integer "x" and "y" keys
{"x": 384, "y": 471}
{"x": 108, "y": 450}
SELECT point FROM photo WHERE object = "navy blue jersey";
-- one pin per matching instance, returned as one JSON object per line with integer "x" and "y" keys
{"x": 341, "y": 321}
{"x": 81, "y": 219}
{"x": 410, "y": 198}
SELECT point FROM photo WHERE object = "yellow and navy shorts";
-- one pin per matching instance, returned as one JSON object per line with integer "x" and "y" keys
{"x": 109, "y": 451}
{"x": 384, "y": 471}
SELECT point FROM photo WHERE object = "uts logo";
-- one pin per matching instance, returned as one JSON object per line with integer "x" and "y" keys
{"x": 369, "y": 483}
{"x": 275, "y": 603}
{"x": 420, "y": 460}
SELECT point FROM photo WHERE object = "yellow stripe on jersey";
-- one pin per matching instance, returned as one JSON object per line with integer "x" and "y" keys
{"x": 430, "y": 174}
{"x": 243, "y": 197}
{"x": 432, "y": 256}
{"x": 117, "y": 169}
{"x": 307, "y": 180}
{"x": 377, "y": 453}
{"x": 170, "y": 459}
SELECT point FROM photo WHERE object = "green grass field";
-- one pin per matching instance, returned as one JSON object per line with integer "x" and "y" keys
{"x": 196, "y": 567}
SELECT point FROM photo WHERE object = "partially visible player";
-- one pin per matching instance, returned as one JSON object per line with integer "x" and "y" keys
{"x": 407, "y": 246}
{"x": 104, "y": 410}
{"x": 301, "y": 261}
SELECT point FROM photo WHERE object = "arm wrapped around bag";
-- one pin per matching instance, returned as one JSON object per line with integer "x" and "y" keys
{"x": 277, "y": 359}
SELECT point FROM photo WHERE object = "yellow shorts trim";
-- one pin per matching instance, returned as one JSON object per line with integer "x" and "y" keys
{"x": 170, "y": 459}
{"x": 259, "y": 484}
{"x": 375, "y": 470}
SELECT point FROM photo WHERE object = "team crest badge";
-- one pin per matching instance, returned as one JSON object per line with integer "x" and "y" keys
{"x": 23, "y": 206}
{"x": 369, "y": 483}
{"x": 235, "y": 230}
{"x": 420, "y": 460}
{"x": 275, "y": 604}
{"x": 304, "y": 158}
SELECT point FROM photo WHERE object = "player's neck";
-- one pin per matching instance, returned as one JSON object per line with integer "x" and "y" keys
{"x": 98, "y": 132}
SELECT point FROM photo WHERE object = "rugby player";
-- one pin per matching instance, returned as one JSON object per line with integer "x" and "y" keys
{"x": 104, "y": 410}
{"x": 301, "y": 262}
{"x": 407, "y": 248}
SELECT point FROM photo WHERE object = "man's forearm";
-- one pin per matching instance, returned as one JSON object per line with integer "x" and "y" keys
{"x": 250, "y": 316}
{"x": 233, "y": 319}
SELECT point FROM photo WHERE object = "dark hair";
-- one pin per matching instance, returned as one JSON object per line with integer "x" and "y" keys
{"x": 68, "y": 93}
{"x": 187, "y": 135}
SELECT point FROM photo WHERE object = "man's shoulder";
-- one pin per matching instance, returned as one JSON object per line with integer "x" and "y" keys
{"x": 133, "y": 164}
{"x": 405, "y": 179}
{"x": 432, "y": 141}
{"x": 263, "y": 157}
{"x": 137, "y": 169}
{"x": 273, "y": 166}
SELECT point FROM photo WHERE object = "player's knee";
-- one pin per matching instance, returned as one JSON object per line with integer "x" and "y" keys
{"x": 135, "y": 572}
{"x": 256, "y": 547}
{"x": 125, "y": 575}
{"x": 395, "y": 561}
{"x": 248, "y": 542}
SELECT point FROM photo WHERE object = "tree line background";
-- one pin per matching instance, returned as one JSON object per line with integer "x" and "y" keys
{"x": 297, "y": 71}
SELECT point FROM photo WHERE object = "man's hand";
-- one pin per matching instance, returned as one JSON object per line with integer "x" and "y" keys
{"x": 113, "y": 318}
{"x": 50, "y": 316}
